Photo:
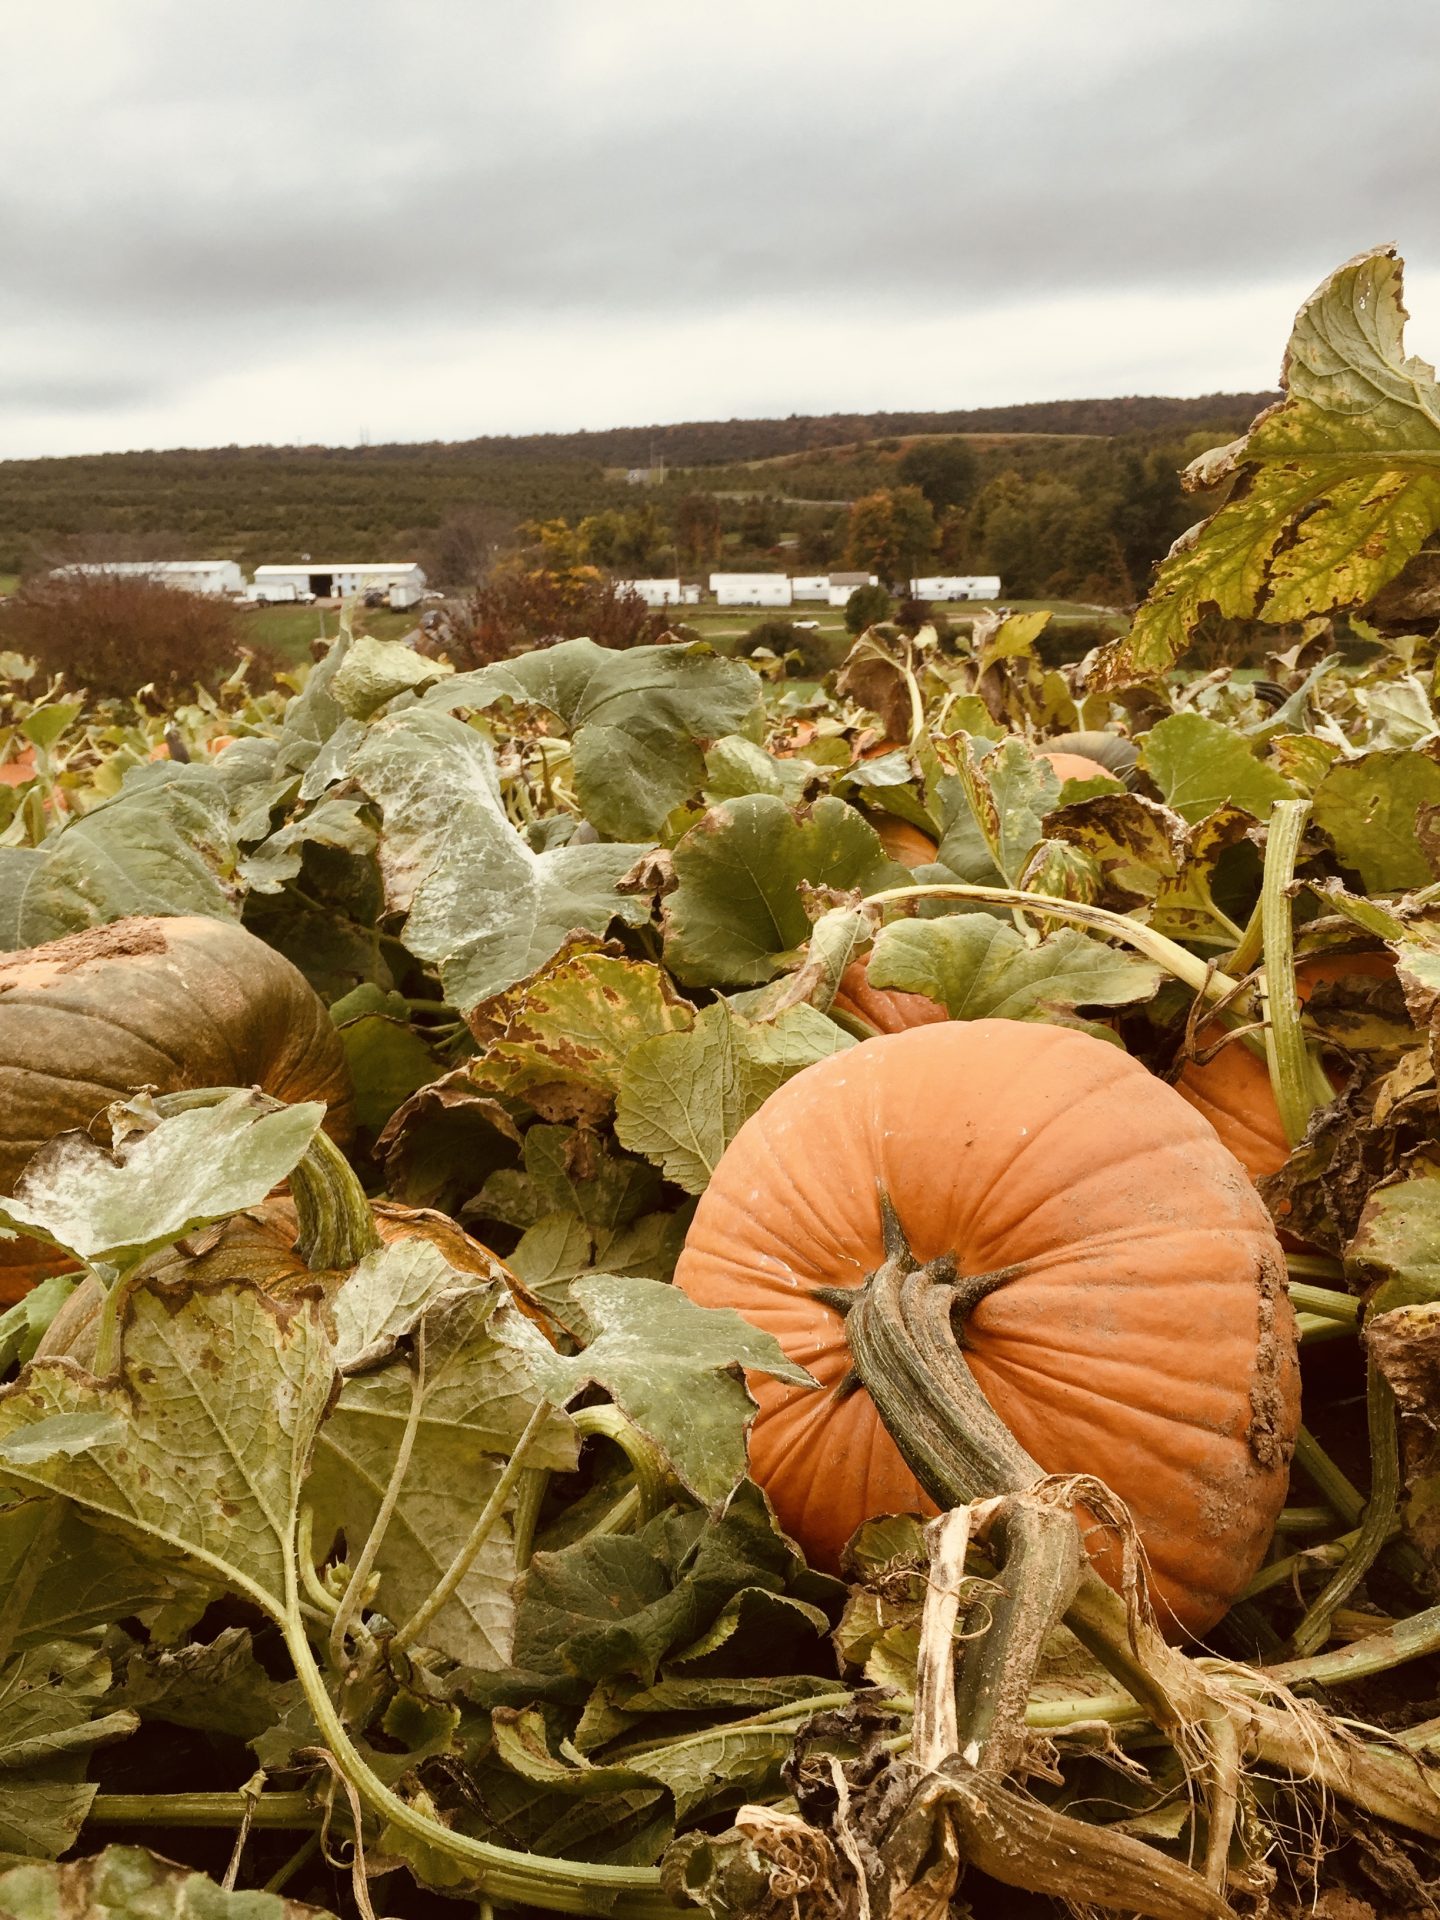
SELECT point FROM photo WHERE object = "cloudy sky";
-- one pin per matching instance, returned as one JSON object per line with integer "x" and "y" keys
{"x": 317, "y": 220}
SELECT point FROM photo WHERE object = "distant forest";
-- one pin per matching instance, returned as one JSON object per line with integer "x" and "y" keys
{"x": 1076, "y": 496}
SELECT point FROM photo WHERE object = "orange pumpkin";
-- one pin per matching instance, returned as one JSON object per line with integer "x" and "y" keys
{"x": 162, "y": 1003}
{"x": 901, "y": 841}
{"x": 1233, "y": 1089}
{"x": 1142, "y": 1332}
{"x": 885, "y": 1009}
{"x": 1074, "y": 766}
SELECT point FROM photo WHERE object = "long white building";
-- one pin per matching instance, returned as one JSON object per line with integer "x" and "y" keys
{"x": 957, "y": 586}
{"x": 402, "y": 580}
{"x": 751, "y": 589}
{"x": 191, "y": 576}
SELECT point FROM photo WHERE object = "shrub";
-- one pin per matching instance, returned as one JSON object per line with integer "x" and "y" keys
{"x": 810, "y": 653}
{"x": 518, "y": 609}
{"x": 115, "y": 633}
{"x": 866, "y": 607}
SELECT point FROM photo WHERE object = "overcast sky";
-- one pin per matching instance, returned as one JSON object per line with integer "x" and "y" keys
{"x": 316, "y": 220}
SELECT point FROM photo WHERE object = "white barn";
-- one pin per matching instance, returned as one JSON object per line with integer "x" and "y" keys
{"x": 811, "y": 586}
{"x": 190, "y": 576}
{"x": 957, "y": 586}
{"x": 402, "y": 581}
{"x": 751, "y": 589}
{"x": 655, "y": 593}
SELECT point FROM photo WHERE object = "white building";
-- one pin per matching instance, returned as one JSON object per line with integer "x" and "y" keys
{"x": 401, "y": 581}
{"x": 957, "y": 586}
{"x": 191, "y": 576}
{"x": 842, "y": 585}
{"x": 655, "y": 593}
{"x": 810, "y": 586}
{"x": 751, "y": 589}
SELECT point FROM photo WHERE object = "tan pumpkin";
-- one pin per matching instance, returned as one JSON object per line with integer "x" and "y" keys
{"x": 162, "y": 1003}
{"x": 260, "y": 1246}
{"x": 1074, "y": 766}
{"x": 1138, "y": 1328}
{"x": 903, "y": 842}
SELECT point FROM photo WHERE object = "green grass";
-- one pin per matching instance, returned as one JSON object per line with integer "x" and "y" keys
{"x": 288, "y": 631}
{"x": 8, "y": 583}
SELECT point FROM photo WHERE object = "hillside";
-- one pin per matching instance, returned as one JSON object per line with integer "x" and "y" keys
{"x": 276, "y": 503}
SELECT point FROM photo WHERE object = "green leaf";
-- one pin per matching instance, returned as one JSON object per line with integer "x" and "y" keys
{"x": 44, "y": 726}
{"x": 611, "y": 1605}
{"x": 219, "y": 1393}
{"x": 388, "y": 1061}
{"x": 215, "y": 1686}
{"x": 674, "y": 1368}
{"x": 480, "y": 905}
{"x": 981, "y": 969}
{"x": 684, "y": 1096}
{"x": 737, "y": 915}
{"x": 156, "y": 1186}
{"x": 278, "y": 859}
{"x": 374, "y": 671}
{"x": 1370, "y": 809}
{"x": 1334, "y": 490}
{"x": 638, "y": 720}
{"x": 1009, "y": 792}
{"x": 567, "y": 1171}
{"x": 50, "y": 1721}
{"x": 478, "y": 1391}
{"x": 1398, "y": 1241}
{"x": 162, "y": 845}
{"x": 60, "y": 1576}
{"x": 563, "y": 1036}
{"x": 735, "y": 766}
{"x": 1199, "y": 765}
{"x": 127, "y": 1883}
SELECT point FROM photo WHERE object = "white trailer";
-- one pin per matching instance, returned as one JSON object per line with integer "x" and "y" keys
{"x": 957, "y": 586}
{"x": 751, "y": 589}
{"x": 811, "y": 586}
{"x": 655, "y": 593}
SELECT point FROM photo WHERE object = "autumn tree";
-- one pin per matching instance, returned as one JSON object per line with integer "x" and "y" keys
{"x": 945, "y": 471}
{"x": 697, "y": 528}
{"x": 892, "y": 533}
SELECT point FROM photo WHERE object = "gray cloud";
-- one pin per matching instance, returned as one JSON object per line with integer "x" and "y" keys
{"x": 192, "y": 190}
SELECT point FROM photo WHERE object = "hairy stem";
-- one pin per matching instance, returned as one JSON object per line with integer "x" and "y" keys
{"x": 1297, "y": 1078}
{"x": 489, "y": 1514}
{"x": 1374, "y": 1530}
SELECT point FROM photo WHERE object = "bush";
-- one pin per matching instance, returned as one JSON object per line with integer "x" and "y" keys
{"x": 115, "y": 633}
{"x": 519, "y": 609}
{"x": 810, "y": 653}
{"x": 866, "y": 607}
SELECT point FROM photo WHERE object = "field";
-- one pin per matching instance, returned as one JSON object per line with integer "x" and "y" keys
{"x": 605, "y": 1146}
{"x": 290, "y": 632}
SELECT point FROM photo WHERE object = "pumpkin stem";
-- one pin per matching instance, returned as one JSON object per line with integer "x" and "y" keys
{"x": 337, "y": 1228}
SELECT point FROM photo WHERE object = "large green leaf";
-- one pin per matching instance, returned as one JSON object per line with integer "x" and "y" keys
{"x": 1370, "y": 808}
{"x": 164, "y": 844}
{"x": 476, "y": 1391}
{"x": 51, "y": 1717}
{"x": 1398, "y": 1240}
{"x": 560, "y": 1040}
{"x": 60, "y": 1576}
{"x": 127, "y": 1883}
{"x": 157, "y": 1185}
{"x": 204, "y": 1432}
{"x": 638, "y": 720}
{"x": 737, "y": 916}
{"x": 684, "y": 1096}
{"x": 981, "y": 969}
{"x": 1334, "y": 489}
{"x": 1199, "y": 765}
{"x": 674, "y": 1368}
{"x": 480, "y": 904}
